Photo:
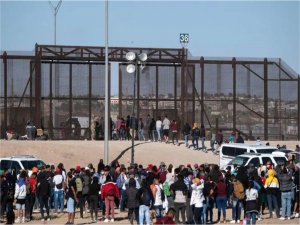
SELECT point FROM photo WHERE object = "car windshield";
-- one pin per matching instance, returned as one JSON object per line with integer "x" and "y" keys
{"x": 239, "y": 161}
{"x": 28, "y": 165}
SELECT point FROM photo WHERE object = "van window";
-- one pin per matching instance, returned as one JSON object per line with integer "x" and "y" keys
{"x": 255, "y": 162}
{"x": 240, "y": 151}
{"x": 280, "y": 159}
{"x": 232, "y": 151}
{"x": 5, "y": 164}
{"x": 266, "y": 159}
{"x": 16, "y": 165}
{"x": 266, "y": 151}
{"x": 228, "y": 151}
{"x": 28, "y": 165}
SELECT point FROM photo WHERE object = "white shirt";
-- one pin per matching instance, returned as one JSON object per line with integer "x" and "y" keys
{"x": 57, "y": 179}
{"x": 251, "y": 194}
{"x": 157, "y": 200}
{"x": 166, "y": 124}
{"x": 158, "y": 124}
{"x": 197, "y": 196}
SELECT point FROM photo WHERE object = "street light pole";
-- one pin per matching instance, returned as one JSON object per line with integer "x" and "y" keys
{"x": 134, "y": 68}
{"x": 133, "y": 120}
{"x": 106, "y": 88}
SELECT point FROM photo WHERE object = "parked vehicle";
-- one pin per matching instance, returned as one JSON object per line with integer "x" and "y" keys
{"x": 20, "y": 162}
{"x": 257, "y": 159}
{"x": 230, "y": 151}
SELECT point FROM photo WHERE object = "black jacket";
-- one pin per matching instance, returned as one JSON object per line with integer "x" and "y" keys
{"x": 131, "y": 197}
{"x": 43, "y": 188}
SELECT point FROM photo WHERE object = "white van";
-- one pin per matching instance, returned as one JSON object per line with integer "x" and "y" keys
{"x": 230, "y": 151}
{"x": 257, "y": 159}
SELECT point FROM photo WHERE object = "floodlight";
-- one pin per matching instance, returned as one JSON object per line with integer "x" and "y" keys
{"x": 130, "y": 68}
{"x": 130, "y": 56}
{"x": 143, "y": 57}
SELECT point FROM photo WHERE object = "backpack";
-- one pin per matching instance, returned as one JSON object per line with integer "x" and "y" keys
{"x": 162, "y": 194}
{"x": 79, "y": 184}
{"x": 146, "y": 198}
{"x": 86, "y": 185}
{"x": 238, "y": 190}
{"x": 119, "y": 181}
{"x": 166, "y": 188}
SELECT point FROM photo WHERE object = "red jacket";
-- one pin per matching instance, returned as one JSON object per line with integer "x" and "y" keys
{"x": 109, "y": 187}
{"x": 32, "y": 182}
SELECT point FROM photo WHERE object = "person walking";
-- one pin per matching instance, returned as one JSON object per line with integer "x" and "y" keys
{"x": 251, "y": 204}
{"x": 197, "y": 199}
{"x": 20, "y": 195}
{"x": 43, "y": 193}
{"x": 195, "y": 136}
{"x": 157, "y": 196}
{"x": 71, "y": 198}
{"x": 146, "y": 201}
{"x": 166, "y": 127}
{"x": 272, "y": 188}
{"x": 153, "y": 129}
{"x": 174, "y": 129}
{"x": 141, "y": 130}
{"x": 179, "y": 190}
{"x": 286, "y": 188}
{"x": 93, "y": 194}
{"x": 58, "y": 190}
{"x": 221, "y": 198}
{"x": 186, "y": 133}
{"x": 109, "y": 191}
{"x": 147, "y": 127}
{"x": 158, "y": 128}
{"x": 203, "y": 137}
{"x": 132, "y": 201}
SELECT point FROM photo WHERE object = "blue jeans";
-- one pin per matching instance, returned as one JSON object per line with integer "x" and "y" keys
{"x": 153, "y": 135}
{"x": 144, "y": 214}
{"x": 251, "y": 216}
{"x": 236, "y": 209}
{"x": 59, "y": 198}
{"x": 158, "y": 134}
{"x": 221, "y": 203}
{"x": 272, "y": 198}
{"x": 51, "y": 199}
{"x": 202, "y": 141}
{"x": 194, "y": 138}
{"x": 122, "y": 200}
{"x": 158, "y": 211}
{"x": 186, "y": 139}
{"x": 286, "y": 202}
{"x": 208, "y": 207}
{"x": 122, "y": 133}
{"x": 141, "y": 135}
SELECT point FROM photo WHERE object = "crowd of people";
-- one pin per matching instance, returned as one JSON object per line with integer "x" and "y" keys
{"x": 154, "y": 194}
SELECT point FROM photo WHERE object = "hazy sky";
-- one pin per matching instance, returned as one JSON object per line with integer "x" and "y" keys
{"x": 216, "y": 28}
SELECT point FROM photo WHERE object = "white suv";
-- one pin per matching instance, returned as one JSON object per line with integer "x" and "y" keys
{"x": 20, "y": 162}
{"x": 257, "y": 159}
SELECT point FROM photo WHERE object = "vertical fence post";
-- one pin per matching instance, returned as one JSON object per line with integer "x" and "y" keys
{"x": 298, "y": 107}
{"x": 266, "y": 99}
{"x": 202, "y": 89}
{"x": 5, "y": 89}
{"x": 234, "y": 92}
{"x": 38, "y": 84}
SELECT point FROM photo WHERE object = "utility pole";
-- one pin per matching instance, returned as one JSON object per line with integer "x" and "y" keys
{"x": 55, "y": 11}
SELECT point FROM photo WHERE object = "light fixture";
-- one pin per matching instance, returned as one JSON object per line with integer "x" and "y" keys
{"x": 143, "y": 57}
{"x": 130, "y": 56}
{"x": 130, "y": 68}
